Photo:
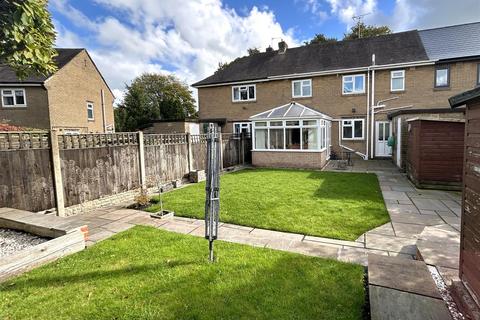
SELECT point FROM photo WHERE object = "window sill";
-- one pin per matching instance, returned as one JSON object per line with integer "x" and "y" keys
{"x": 353, "y": 139}
{"x": 398, "y": 91}
{"x": 441, "y": 88}
{"x": 245, "y": 101}
{"x": 302, "y": 97}
{"x": 91, "y": 120}
{"x": 353, "y": 94}
{"x": 14, "y": 107}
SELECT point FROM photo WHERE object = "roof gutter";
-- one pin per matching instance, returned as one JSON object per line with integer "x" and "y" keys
{"x": 327, "y": 72}
{"x": 21, "y": 84}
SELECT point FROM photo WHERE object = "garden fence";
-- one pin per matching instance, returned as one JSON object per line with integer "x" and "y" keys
{"x": 44, "y": 170}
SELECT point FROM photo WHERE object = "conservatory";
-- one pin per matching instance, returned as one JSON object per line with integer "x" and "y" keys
{"x": 291, "y": 135}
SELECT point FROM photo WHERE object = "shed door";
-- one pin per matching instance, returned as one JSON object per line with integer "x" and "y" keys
{"x": 383, "y": 132}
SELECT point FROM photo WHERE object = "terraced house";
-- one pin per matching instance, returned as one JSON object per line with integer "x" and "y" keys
{"x": 304, "y": 104}
{"x": 75, "y": 99}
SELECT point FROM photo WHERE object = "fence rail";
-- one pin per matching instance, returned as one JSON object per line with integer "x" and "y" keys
{"x": 97, "y": 140}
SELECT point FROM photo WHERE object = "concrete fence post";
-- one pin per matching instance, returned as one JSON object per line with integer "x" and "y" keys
{"x": 141, "y": 153}
{"x": 221, "y": 147}
{"x": 57, "y": 173}
{"x": 189, "y": 152}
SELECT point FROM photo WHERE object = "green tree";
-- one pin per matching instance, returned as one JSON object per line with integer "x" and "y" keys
{"x": 361, "y": 30}
{"x": 27, "y": 37}
{"x": 252, "y": 51}
{"x": 153, "y": 97}
{"x": 320, "y": 38}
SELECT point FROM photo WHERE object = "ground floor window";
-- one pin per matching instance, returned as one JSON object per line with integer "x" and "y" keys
{"x": 242, "y": 127}
{"x": 352, "y": 129}
{"x": 290, "y": 135}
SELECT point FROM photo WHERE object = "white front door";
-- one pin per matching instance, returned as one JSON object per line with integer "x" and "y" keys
{"x": 383, "y": 132}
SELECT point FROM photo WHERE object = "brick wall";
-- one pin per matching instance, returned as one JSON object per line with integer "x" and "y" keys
{"x": 35, "y": 115}
{"x": 285, "y": 159}
{"x": 70, "y": 89}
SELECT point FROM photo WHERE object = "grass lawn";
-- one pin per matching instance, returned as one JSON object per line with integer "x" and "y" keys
{"x": 146, "y": 273}
{"x": 327, "y": 204}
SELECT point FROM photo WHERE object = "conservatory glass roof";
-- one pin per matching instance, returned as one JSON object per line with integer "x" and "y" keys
{"x": 289, "y": 111}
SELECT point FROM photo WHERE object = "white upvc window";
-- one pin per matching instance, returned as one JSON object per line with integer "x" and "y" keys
{"x": 290, "y": 135}
{"x": 397, "y": 80}
{"x": 442, "y": 77}
{"x": 90, "y": 115}
{"x": 244, "y": 93}
{"x": 353, "y": 84}
{"x": 242, "y": 127}
{"x": 12, "y": 98}
{"x": 302, "y": 88}
{"x": 352, "y": 129}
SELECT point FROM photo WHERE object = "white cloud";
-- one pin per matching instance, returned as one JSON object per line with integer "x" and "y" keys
{"x": 188, "y": 40}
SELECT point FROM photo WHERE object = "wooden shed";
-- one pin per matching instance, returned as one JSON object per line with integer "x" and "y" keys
{"x": 435, "y": 153}
{"x": 470, "y": 223}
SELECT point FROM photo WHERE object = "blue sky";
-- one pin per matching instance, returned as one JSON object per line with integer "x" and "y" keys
{"x": 190, "y": 37}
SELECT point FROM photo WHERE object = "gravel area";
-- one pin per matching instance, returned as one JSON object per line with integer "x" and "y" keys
{"x": 12, "y": 241}
{"x": 442, "y": 288}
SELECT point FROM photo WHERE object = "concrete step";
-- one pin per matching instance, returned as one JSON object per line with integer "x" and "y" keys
{"x": 404, "y": 290}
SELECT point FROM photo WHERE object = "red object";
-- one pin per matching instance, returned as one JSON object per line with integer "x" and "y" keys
{"x": 9, "y": 127}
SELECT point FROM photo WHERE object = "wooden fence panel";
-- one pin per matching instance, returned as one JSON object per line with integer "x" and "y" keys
{"x": 199, "y": 151}
{"x": 92, "y": 173}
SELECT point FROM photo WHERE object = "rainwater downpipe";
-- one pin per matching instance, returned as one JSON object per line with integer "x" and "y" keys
{"x": 371, "y": 106}
{"x": 368, "y": 113}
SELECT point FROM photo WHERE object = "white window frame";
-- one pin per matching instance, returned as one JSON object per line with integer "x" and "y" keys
{"x": 15, "y": 104}
{"x": 447, "y": 85}
{"x": 393, "y": 76}
{"x": 71, "y": 131}
{"x": 247, "y": 86}
{"x": 320, "y": 125}
{"x": 90, "y": 106}
{"x": 303, "y": 83}
{"x": 353, "y": 83}
{"x": 248, "y": 125}
{"x": 352, "y": 125}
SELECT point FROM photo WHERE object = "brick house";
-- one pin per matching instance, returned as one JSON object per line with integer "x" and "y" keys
{"x": 365, "y": 88}
{"x": 75, "y": 99}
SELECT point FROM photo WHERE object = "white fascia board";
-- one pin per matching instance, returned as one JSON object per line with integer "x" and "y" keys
{"x": 19, "y": 84}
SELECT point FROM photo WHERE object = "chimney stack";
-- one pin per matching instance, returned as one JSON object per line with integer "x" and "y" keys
{"x": 282, "y": 47}
{"x": 269, "y": 49}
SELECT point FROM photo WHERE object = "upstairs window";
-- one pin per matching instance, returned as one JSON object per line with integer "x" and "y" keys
{"x": 243, "y": 93}
{"x": 397, "y": 80}
{"x": 352, "y": 129}
{"x": 13, "y": 98}
{"x": 90, "y": 115}
{"x": 353, "y": 84}
{"x": 478, "y": 74}
{"x": 302, "y": 88}
{"x": 442, "y": 77}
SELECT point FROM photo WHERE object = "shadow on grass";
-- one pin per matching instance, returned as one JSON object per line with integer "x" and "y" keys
{"x": 246, "y": 283}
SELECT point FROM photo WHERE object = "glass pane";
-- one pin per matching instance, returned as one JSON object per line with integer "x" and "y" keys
{"x": 251, "y": 92}
{"x": 276, "y": 123}
{"x": 236, "y": 94}
{"x": 307, "y": 89}
{"x": 90, "y": 113}
{"x": 19, "y": 98}
{"x": 8, "y": 101}
{"x": 397, "y": 74}
{"x": 261, "y": 139}
{"x": 387, "y": 130}
{"x": 237, "y": 128}
{"x": 7, "y": 92}
{"x": 348, "y": 87}
{"x": 293, "y": 123}
{"x": 292, "y": 138}
{"x": 358, "y": 83}
{"x": 261, "y": 124}
{"x": 397, "y": 84}
{"x": 296, "y": 89}
{"x": 243, "y": 93}
{"x": 358, "y": 129}
{"x": 276, "y": 138}
{"x": 309, "y": 136}
{"x": 442, "y": 77}
{"x": 309, "y": 122}
{"x": 347, "y": 132}
{"x": 380, "y": 132}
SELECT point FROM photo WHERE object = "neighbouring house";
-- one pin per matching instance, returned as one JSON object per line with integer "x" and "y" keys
{"x": 366, "y": 87}
{"x": 75, "y": 99}
{"x": 191, "y": 126}
{"x": 470, "y": 230}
